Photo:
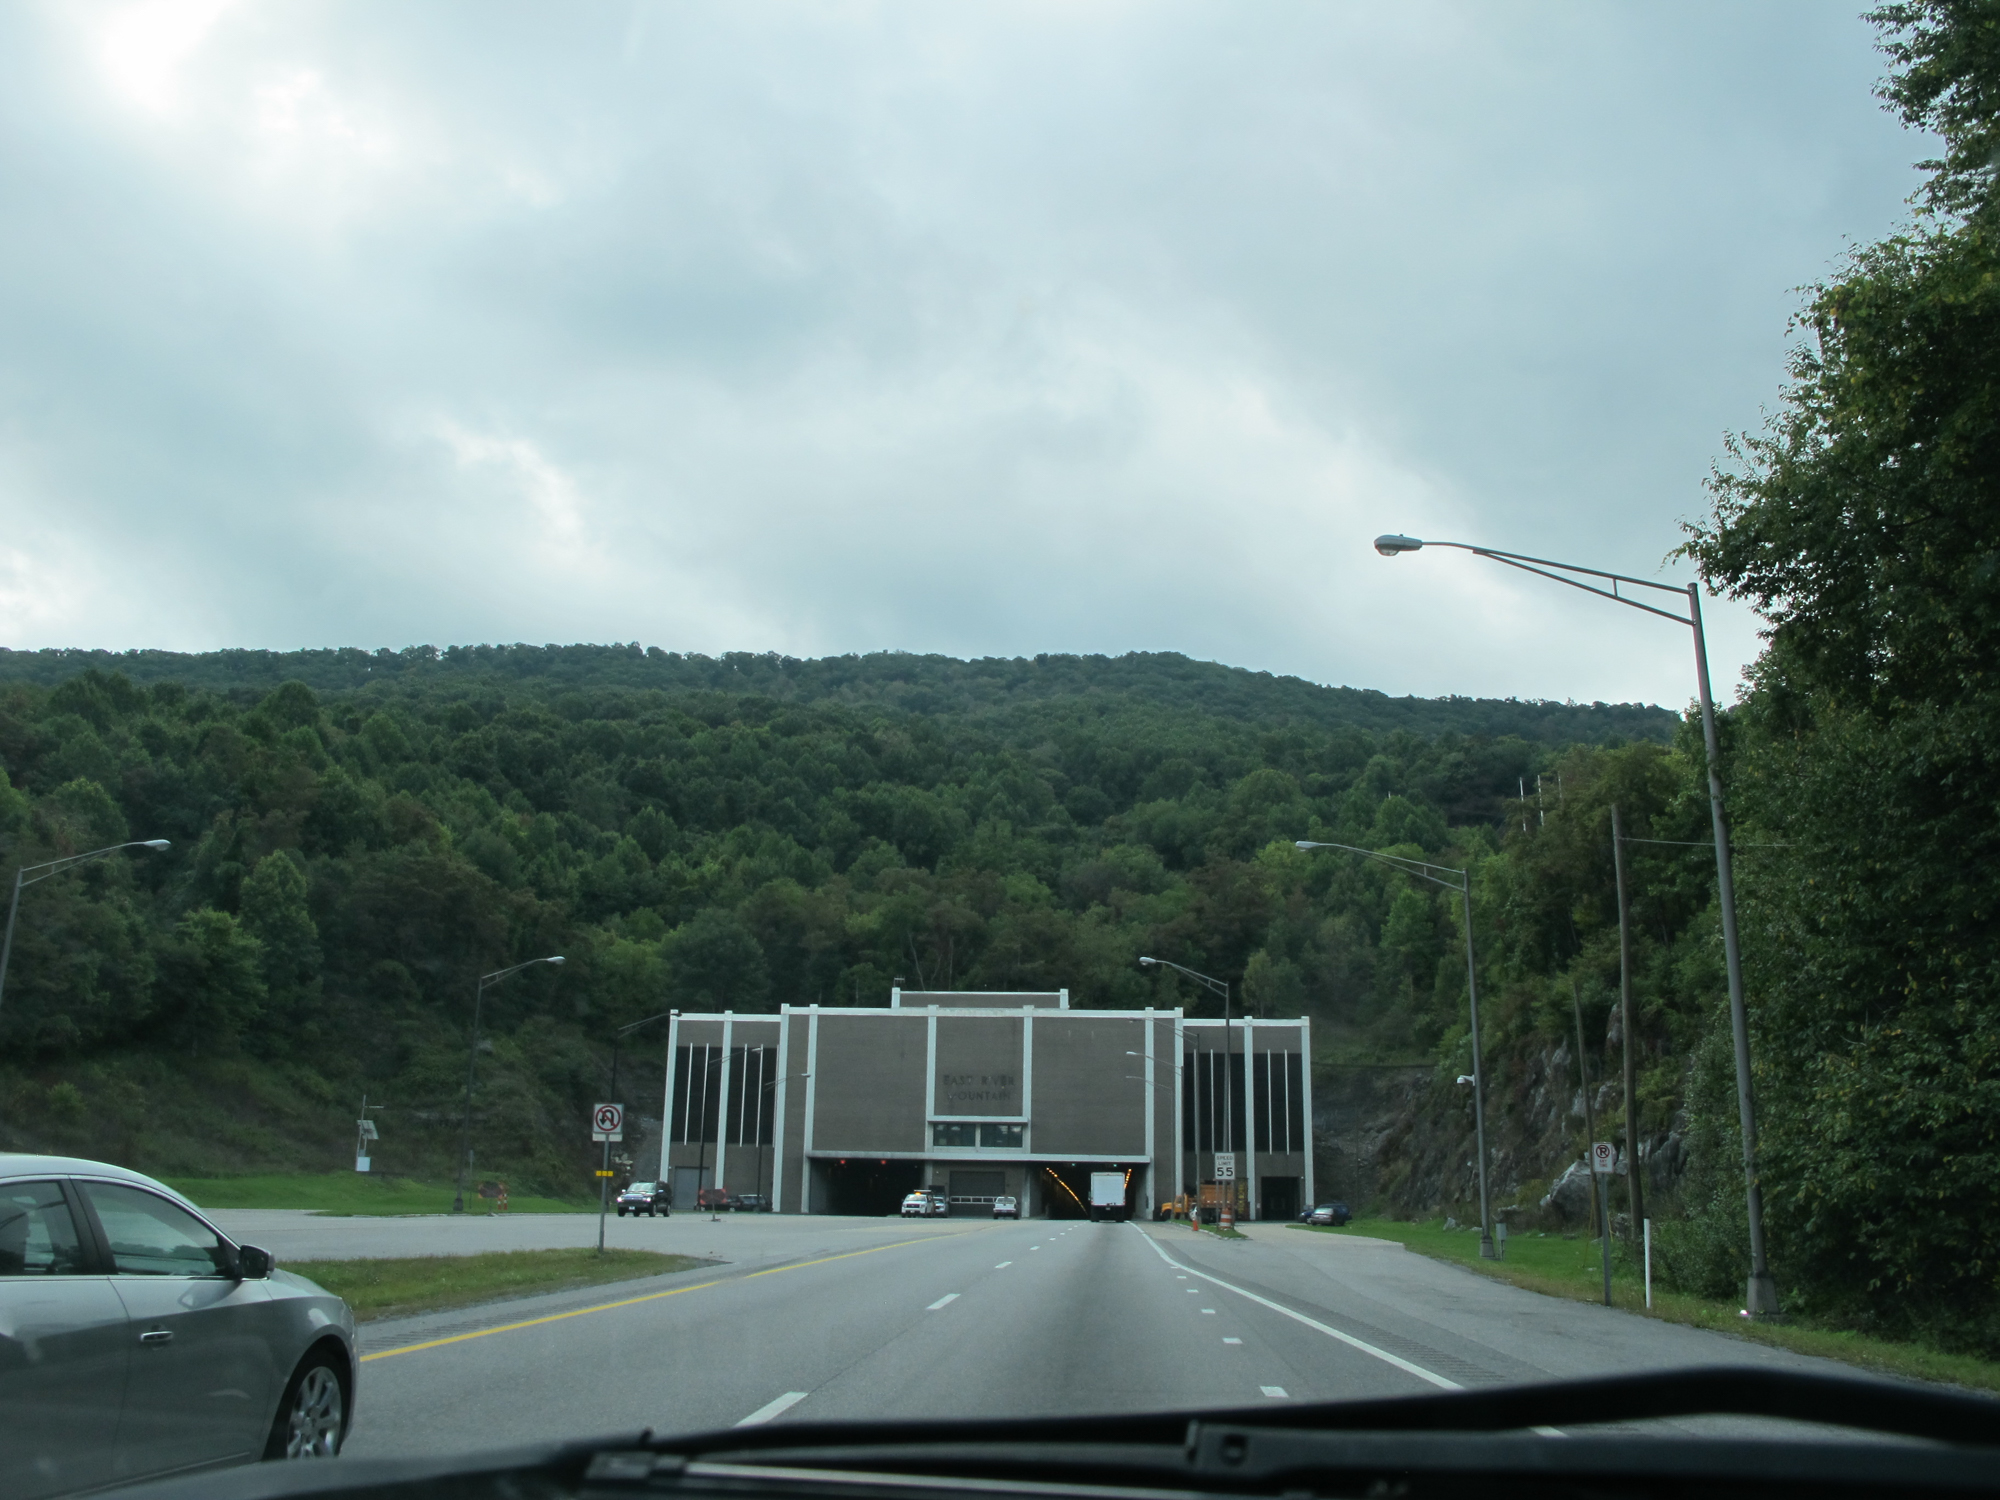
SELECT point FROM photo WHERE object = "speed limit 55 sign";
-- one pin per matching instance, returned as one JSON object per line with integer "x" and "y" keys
{"x": 607, "y": 1122}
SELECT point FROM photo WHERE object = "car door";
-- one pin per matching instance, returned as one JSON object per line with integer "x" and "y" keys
{"x": 203, "y": 1377}
{"x": 63, "y": 1348}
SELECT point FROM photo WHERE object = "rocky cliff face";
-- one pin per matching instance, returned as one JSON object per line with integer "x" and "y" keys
{"x": 1401, "y": 1140}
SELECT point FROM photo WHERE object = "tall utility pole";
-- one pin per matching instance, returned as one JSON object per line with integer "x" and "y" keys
{"x": 1599, "y": 1207}
{"x": 1462, "y": 883}
{"x": 1635, "y": 1191}
{"x": 1760, "y": 1293}
{"x": 1221, "y": 988}
{"x": 472, "y": 1065}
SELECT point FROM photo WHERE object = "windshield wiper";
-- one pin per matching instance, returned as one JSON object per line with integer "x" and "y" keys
{"x": 1882, "y": 1407}
{"x": 1936, "y": 1440}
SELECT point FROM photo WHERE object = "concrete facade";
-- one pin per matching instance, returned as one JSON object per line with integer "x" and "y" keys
{"x": 845, "y": 1109}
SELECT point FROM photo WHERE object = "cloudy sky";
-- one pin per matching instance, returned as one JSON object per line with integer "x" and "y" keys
{"x": 973, "y": 328}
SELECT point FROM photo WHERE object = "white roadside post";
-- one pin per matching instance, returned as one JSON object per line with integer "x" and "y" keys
{"x": 607, "y": 1124}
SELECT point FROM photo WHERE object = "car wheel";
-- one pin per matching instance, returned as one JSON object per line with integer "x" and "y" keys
{"x": 312, "y": 1419}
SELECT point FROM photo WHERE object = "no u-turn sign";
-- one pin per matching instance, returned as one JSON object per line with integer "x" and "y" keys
{"x": 607, "y": 1122}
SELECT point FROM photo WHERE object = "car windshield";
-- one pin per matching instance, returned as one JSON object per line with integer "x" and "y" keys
{"x": 730, "y": 714}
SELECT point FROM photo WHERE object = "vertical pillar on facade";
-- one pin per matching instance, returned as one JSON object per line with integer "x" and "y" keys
{"x": 722, "y": 1104}
{"x": 1247, "y": 1162}
{"x": 778, "y": 1115}
{"x": 1151, "y": 1104}
{"x": 812, "y": 1092}
{"x": 1306, "y": 1103}
{"x": 667, "y": 1103}
{"x": 1028, "y": 1074}
{"x": 1180, "y": 1088}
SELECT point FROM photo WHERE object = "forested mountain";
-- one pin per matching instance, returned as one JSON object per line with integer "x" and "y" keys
{"x": 890, "y": 679}
{"x": 345, "y": 863}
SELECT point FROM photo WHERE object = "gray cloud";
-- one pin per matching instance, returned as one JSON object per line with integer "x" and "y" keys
{"x": 981, "y": 329}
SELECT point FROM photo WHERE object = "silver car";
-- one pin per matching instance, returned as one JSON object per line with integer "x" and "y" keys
{"x": 136, "y": 1339}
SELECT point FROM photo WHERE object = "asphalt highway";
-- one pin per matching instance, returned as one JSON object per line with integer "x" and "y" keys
{"x": 890, "y": 1318}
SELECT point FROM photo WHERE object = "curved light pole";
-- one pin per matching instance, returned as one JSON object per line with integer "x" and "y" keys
{"x": 472, "y": 1062}
{"x": 1436, "y": 874}
{"x": 29, "y": 874}
{"x": 1760, "y": 1297}
{"x": 1221, "y": 988}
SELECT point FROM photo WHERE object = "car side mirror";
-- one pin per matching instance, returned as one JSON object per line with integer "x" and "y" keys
{"x": 253, "y": 1263}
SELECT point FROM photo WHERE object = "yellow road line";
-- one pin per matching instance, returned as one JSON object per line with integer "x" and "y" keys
{"x": 460, "y": 1338}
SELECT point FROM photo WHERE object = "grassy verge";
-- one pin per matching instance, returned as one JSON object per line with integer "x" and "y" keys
{"x": 1570, "y": 1268}
{"x": 433, "y": 1283}
{"x": 351, "y": 1193}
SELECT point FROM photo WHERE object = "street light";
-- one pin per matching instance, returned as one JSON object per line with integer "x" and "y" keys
{"x": 618, "y": 1038}
{"x": 1436, "y": 874}
{"x": 29, "y": 874}
{"x": 472, "y": 1062}
{"x": 1761, "y": 1295}
{"x": 1228, "y": 1102}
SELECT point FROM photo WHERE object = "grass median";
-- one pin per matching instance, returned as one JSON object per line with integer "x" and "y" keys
{"x": 353, "y": 1194}
{"x": 1574, "y": 1268}
{"x": 435, "y": 1283}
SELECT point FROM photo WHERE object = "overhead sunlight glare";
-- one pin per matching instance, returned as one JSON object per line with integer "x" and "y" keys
{"x": 144, "y": 46}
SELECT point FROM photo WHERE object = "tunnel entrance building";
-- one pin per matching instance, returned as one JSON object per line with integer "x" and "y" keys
{"x": 983, "y": 1095}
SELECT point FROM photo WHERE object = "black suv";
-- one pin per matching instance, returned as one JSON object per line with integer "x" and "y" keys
{"x": 648, "y": 1198}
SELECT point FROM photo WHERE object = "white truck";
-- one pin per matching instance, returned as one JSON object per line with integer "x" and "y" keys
{"x": 1107, "y": 1195}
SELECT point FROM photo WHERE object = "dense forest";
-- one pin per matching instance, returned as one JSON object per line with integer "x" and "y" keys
{"x": 345, "y": 862}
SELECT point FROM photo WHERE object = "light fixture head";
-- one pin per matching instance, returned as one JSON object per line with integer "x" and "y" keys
{"x": 1389, "y": 544}
{"x": 556, "y": 960}
{"x": 1144, "y": 960}
{"x": 158, "y": 843}
{"x": 1465, "y": 1078}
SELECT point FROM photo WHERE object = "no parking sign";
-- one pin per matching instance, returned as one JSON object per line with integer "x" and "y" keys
{"x": 607, "y": 1122}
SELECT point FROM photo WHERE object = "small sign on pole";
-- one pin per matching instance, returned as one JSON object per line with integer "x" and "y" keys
{"x": 1225, "y": 1166}
{"x": 1604, "y": 1159}
{"x": 607, "y": 1122}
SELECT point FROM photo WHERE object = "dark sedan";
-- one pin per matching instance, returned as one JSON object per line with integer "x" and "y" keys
{"x": 138, "y": 1339}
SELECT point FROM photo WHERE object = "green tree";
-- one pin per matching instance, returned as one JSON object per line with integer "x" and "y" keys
{"x": 211, "y": 981}
{"x": 714, "y": 962}
{"x": 275, "y": 912}
{"x": 1864, "y": 524}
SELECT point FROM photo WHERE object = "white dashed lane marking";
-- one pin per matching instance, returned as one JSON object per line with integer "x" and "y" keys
{"x": 1003, "y": 1265}
{"x": 771, "y": 1409}
{"x": 1232, "y": 1341}
{"x": 1275, "y": 1392}
{"x": 947, "y": 1297}
{"x": 1313, "y": 1323}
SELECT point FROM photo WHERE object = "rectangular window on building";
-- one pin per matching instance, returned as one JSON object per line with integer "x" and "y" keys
{"x": 946, "y": 1134}
{"x": 1295, "y": 1103}
{"x": 697, "y": 1107}
{"x": 753, "y": 1081}
{"x": 1005, "y": 1136}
